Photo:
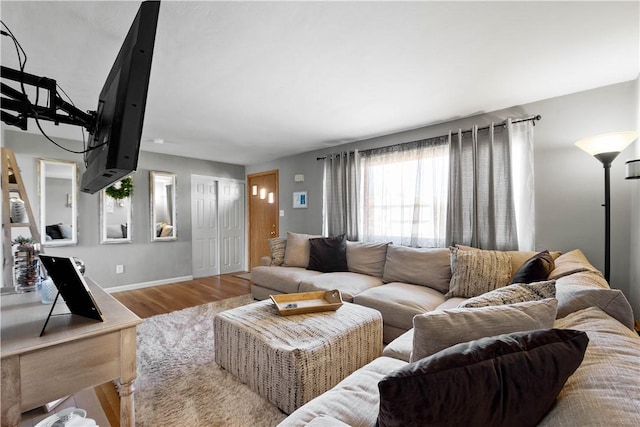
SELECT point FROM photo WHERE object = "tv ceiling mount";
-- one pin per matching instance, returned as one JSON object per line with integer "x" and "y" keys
{"x": 115, "y": 129}
{"x": 17, "y": 101}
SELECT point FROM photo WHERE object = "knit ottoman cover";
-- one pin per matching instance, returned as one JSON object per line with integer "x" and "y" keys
{"x": 289, "y": 360}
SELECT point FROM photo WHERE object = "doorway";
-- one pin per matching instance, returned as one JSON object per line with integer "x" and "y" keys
{"x": 263, "y": 204}
{"x": 217, "y": 226}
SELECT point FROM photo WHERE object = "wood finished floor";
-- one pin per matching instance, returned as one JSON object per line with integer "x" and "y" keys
{"x": 155, "y": 300}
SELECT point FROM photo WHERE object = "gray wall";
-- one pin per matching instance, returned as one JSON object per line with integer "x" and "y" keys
{"x": 634, "y": 253}
{"x": 569, "y": 182}
{"x": 143, "y": 261}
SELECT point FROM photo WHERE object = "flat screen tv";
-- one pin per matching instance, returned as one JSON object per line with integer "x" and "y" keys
{"x": 114, "y": 143}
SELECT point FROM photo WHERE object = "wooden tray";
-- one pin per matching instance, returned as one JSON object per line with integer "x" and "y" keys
{"x": 307, "y": 302}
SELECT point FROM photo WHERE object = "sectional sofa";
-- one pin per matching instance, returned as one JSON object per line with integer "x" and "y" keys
{"x": 425, "y": 288}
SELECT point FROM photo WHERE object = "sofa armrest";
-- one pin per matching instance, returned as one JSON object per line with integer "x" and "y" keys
{"x": 265, "y": 260}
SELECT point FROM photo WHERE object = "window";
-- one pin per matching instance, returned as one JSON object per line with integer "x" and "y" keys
{"x": 403, "y": 193}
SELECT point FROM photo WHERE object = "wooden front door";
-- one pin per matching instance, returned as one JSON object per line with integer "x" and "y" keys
{"x": 262, "y": 196}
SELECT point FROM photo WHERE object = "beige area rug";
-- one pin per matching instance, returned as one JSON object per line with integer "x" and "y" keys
{"x": 179, "y": 384}
{"x": 244, "y": 276}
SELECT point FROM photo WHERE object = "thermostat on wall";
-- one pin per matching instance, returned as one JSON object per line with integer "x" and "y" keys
{"x": 298, "y": 178}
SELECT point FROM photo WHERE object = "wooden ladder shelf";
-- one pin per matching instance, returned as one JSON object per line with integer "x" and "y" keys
{"x": 13, "y": 186}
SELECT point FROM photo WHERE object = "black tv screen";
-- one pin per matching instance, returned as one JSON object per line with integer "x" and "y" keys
{"x": 120, "y": 112}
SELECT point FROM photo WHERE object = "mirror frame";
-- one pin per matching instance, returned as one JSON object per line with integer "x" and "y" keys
{"x": 73, "y": 201}
{"x": 104, "y": 239}
{"x": 153, "y": 176}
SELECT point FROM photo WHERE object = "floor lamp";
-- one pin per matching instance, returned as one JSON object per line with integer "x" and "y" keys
{"x": 606, "y": 148}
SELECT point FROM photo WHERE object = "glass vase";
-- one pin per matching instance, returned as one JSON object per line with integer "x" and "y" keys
{"x": 26, "y": 269}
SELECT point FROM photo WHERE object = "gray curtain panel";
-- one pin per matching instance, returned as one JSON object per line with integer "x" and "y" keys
{"x": 341, "y": 194}
{"x": 481, "y": 209}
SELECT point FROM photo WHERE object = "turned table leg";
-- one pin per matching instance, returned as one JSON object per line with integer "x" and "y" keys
{"x": 127, "y": 377}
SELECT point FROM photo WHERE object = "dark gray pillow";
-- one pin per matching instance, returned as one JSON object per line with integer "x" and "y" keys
{"x": 53, "y": 231}
{"x": 506, "y": 380}
{"x": 328, "y": 254}
{"x": 535, "y": 269}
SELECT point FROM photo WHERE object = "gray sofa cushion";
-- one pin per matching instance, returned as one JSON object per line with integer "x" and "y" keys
{"x": 440, "y": 329}
{"x": 399, "y": 302}
{"x": 419, "y": 266}
{"x": 349, "y": 284}
{"x": 354, "y": 401}
{"x": 285, "y": 280}
{"x": 604, "y": 390}
{"x": 401, "y": 347}
{"x": 572, "y": 298}
{"x": 569, "y": 263}
{"x": 367, "y": 258}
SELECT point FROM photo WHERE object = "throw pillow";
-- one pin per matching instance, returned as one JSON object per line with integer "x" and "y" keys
{"x": 534, "y": 269}
{"x": 296, "y": 253}
{"x": 277, "y": 246}
{"x": 519, "y": 292}
{"x": 66, "y": 231}
{"x": 517, "y": 257}
{"x": 328, "y": 254}
{"x": 506, "y": 380}
{"x": 53, "y": 231}
{"x": 439, "y": 329}
{"x": 475, "y": 272}
{"x": 167, "y": 231}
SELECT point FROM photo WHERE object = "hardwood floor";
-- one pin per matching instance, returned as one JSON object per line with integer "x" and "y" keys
{"x": 149, "y": 302}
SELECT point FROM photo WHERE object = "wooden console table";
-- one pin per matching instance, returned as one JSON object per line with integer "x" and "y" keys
{"x": 73, "y": 354}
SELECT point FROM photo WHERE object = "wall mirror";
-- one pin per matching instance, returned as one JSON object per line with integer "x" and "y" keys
{"x": 116, "y": 213}
{"x": 163, "y": 206}
{"x": 58, "y": 188}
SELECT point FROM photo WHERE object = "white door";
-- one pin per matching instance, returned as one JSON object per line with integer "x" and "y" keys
{"x": 204, "y": 226}
{"x": 231, "y": 211}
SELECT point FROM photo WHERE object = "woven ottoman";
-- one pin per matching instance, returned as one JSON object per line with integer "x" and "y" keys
{"x": 289, "y": 360}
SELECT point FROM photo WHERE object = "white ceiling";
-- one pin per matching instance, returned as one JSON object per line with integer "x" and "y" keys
{"x": 247, "y": 82}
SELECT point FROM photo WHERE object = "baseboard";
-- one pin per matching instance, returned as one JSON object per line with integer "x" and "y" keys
{"x": 148, "y": 284}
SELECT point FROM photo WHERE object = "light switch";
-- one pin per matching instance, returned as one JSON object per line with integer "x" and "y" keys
{"x": 281, "y": 212}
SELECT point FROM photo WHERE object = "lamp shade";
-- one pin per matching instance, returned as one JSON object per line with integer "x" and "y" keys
{"x": 633, "y": 169}
{"x": 607, "y": 143}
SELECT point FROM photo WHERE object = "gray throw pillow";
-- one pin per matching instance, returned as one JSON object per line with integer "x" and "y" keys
{"x": 478, "y": 271}
{"x": 519, "y": 292}
{"x": 438, "y": 329}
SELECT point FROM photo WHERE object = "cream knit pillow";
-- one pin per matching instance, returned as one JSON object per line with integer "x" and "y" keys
{"x": 478, "y": 271}
{"x": 519, "y": 292}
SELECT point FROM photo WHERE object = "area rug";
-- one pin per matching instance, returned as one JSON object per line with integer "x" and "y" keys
{"x": 179, "y": 384}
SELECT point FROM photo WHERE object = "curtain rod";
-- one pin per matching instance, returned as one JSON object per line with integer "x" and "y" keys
{"x": 532, "y": 118}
